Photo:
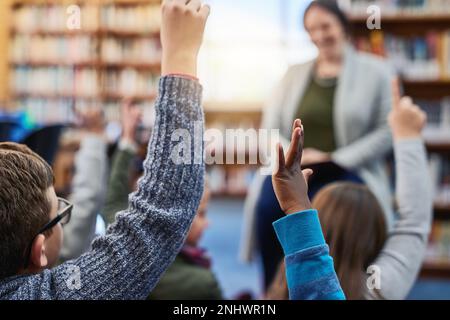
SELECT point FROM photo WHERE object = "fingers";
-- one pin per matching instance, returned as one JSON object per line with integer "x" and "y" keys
{"x": 307, "y": 173}
{"x": 281, "y": 160}
{"x": 406, "y": 102}
{"x": 195, "y": 5}
{"x": 205, "y": 11}
{"x": 293, "y": 147}
{"x": 295, "y": 151}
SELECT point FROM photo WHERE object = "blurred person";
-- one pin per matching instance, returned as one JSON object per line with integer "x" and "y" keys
{"x": 88, "y": 185}
{"x": 343, "y": 98}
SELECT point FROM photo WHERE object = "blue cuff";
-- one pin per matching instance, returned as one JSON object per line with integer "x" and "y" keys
{"x": 299, "y": 231}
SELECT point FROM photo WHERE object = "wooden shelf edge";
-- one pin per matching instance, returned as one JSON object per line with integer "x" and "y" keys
{"x": 438, "y": 269}
{"x": 403, "y": 18}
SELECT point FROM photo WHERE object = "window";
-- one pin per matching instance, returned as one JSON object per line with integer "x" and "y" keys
{"x": 249, "y": 45}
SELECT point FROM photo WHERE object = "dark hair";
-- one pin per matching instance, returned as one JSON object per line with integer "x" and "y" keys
{"x": 354, "y": 227}
{"x": 24, "y": 204}
{"x": 332, "y": 7}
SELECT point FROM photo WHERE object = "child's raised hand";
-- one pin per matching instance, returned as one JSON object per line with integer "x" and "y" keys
{"x": 406, "y": 119}
{"x": 183, "y": 25}
{"x": 131, "y": 117}
{"x": 289, "y": 181}
{"x": 91, "y": 120}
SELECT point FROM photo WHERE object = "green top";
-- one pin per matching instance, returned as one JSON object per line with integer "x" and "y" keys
{"x": 186, "y": 281}
{"x": 316, "y": 112}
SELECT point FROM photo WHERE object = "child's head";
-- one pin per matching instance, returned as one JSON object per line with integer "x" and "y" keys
{"x": 200, "y": 222}
{"x": 27, "y": 202}
{"x": 354, "y": 227}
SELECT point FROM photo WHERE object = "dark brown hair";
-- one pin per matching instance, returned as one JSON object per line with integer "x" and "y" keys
{"x": 354, "y": 228}
{"x": 332, "y": 7}
{"x": 24, "y": 205}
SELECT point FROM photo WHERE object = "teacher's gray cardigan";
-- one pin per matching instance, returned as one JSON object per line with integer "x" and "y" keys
{"x": 361, "y": 105}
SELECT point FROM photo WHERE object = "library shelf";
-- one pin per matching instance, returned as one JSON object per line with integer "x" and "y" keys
{"x": 441, "y": 211}
{"x": 438, "y": 147}
{"x": 404, "y": 18}
{"x": 53, "y": 63}
{"x": 435, "y": 269}
{"x": 427, "y": 89}
{"x": 156, "y": 67}
{"x": 54, "y": 96}
{"x": 135, "y": 97}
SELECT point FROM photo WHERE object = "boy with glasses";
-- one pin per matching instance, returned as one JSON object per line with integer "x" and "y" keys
{"x": 128, "y": 261}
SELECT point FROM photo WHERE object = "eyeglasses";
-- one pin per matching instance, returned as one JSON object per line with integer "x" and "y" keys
{"x": 63, "y": 217}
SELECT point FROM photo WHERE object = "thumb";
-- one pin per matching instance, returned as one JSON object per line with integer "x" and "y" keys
{"x": 307, "y": 173}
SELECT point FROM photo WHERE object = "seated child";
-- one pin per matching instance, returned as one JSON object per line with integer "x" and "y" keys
{"x": 190, "y": 276}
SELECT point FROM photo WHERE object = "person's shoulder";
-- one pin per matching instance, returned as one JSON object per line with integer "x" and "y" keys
{"x": 300, "y": 67}
{"x": 295, "y": 70}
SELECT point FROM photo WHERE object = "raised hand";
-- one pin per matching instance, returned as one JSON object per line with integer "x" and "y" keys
{"x": 406, "y": 119}
{"x": 91, "y": 120}
{"x": 131, "y": 117}
{"x": 289, "y": 181}
{"x": 183, "y": 25}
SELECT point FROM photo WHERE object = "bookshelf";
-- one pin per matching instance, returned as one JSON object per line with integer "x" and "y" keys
{"x": 415, "y": 36}
{"x": 115, "y": 54}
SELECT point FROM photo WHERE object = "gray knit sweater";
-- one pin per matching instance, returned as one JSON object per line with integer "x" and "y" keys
{"x": 128, "y": 261}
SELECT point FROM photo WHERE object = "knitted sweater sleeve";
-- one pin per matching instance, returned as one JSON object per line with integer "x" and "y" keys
{"x": 128, "y": 261}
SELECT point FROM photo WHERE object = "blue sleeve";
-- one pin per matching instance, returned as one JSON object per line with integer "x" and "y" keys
{"x": 309, "y": 267}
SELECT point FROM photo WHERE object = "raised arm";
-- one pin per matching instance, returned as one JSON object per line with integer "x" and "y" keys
{"x": 402, "y": 256}
{"x": 119, "y": 186}
{"x": 309, "y": 267}
{"x": 88, "y": 188}
{"x": 128, "y": 261}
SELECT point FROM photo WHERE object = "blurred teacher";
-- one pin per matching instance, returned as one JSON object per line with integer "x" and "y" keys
{"x": 343, "y": 98}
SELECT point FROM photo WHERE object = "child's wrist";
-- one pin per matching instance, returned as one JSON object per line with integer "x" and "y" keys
{"x": 180, "y": 64}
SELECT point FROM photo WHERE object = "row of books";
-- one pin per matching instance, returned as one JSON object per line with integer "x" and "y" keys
{"x": 130, "y": 82}
{"x": 52, "y": 18}
{"x": 145, "y": 18}
{"x": 133, "y": 50}
{"x": 54, "y": 81}
{"x": 439, "y": 167}
{"x": 417, "y": 58}
{"x": 439, "y": 243}
{"x": 77, "y": 49}
{"x": 82, "y": 82}
{"x": 396, "y": 7}
{"x": 27, "y": 48}
{"x": 45, "y": 111}
{"x": 56, "y": 18}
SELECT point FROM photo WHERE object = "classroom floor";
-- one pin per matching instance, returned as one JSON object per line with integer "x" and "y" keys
{"x": 222, "y": 240}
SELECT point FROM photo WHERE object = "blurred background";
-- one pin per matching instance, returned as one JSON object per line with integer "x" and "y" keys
{"x": 48, "y": 70}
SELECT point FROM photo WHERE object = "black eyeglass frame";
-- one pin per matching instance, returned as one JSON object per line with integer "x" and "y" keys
{"x": 67, "y": 211}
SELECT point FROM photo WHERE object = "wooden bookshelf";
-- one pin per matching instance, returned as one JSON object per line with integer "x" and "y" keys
{"x": 435, "y": 269}
{"x": 97, "y": 32}
{"x": 409, "y": 26}
{"x": 427, "y": 89}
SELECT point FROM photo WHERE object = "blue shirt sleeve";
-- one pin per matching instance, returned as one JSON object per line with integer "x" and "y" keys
{"x": 309, "y": 267}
